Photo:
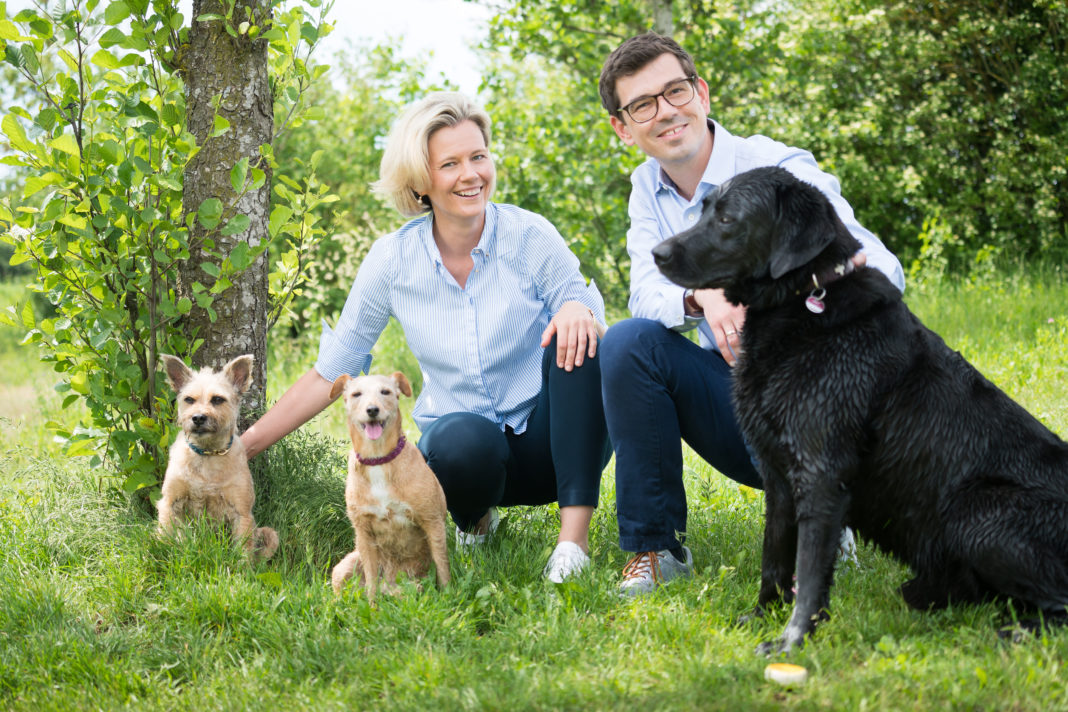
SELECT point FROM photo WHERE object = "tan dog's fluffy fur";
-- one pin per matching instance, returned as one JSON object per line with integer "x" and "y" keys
{"x": 217, "y": 483}
{"x": 397, "y": 508}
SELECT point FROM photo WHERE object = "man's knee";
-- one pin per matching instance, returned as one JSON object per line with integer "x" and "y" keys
{"x": 628, "y": 344}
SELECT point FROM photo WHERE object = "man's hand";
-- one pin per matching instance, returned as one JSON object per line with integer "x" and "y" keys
{"x": 726, "y": 321}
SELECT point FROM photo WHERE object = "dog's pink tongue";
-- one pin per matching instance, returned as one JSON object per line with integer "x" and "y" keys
{"x": 373, "y": 430}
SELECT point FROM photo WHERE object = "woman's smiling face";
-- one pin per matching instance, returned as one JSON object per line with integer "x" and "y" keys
{"x": 461, "y": 171}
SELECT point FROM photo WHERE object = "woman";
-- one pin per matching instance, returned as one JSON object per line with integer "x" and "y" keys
{"x": 502, "y": 323}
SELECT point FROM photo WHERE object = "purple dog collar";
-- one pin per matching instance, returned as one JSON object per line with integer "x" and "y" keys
{"x": 372, "y": 461}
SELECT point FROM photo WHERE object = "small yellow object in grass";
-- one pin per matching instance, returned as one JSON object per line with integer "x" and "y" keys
{"x": 785, "y": 673}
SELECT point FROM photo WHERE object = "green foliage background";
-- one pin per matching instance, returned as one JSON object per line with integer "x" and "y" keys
{"x": 947, "y": 123}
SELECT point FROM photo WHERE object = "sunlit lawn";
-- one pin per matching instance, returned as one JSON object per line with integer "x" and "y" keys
{"x": 97, "y": 613}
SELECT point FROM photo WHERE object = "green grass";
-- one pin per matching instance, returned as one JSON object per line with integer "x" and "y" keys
{"x": 97, "y": 613}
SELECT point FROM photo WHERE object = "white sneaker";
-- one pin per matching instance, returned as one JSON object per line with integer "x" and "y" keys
{"x": 567, "y": 559}
{"x": 847, "y": 548}
{"x": 648, "y": 569}
{"x": 465, "y": 540}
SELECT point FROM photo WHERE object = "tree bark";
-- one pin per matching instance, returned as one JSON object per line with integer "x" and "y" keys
{"x": 663, "y": 20}
{"x": 230, "y": 72}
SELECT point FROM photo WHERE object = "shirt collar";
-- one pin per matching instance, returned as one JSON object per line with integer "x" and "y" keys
{"x": 719, "y": 169}
{"x": 486, "y": 243}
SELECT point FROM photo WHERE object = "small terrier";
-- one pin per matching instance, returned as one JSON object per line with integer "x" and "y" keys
{"x": 393, "y": 499}
{"x": 208, "y": 470}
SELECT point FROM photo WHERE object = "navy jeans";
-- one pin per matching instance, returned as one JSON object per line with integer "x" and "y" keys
{"x": 558, "y": 458}
{"x": 661, "y": 388}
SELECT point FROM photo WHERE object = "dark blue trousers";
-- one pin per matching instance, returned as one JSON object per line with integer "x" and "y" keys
{"x": 661, "y": 388}
{"x": 558, "y": 458}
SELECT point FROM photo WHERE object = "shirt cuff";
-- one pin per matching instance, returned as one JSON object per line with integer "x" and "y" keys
{"x": 335, "y": 359}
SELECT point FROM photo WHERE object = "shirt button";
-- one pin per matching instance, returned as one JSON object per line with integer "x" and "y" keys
{"x": 691, "y": 217}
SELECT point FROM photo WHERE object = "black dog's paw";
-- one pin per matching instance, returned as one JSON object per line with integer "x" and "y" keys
{"x": 922, "y": 596}
{"x": 757, "y": 614}
{"x": 780, "y": 646}
{"x": 1028, "y": 628}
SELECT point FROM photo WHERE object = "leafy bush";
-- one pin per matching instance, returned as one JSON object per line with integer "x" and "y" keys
{"x": 102, "y": 147}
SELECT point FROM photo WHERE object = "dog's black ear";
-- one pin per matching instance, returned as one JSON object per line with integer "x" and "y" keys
{"x": 178, "y": 374}
{"x": 239, "y": 372}
{"x": 804, "y": 227}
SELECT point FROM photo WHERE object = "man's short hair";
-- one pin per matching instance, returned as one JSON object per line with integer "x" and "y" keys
{"x": 631, "y": 57}
{"x": 404, "y": 174}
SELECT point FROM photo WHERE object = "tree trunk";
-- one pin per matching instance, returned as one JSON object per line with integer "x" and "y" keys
{"x": 230, "y": 72}
{"x": 663, "y": 21}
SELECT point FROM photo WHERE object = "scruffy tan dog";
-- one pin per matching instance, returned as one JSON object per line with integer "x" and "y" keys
{"x": 394, "y": 501}
{"x": 208, "y": 471}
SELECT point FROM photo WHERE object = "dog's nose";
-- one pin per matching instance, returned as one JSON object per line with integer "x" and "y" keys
{"x": 372, "y": 410}
{"x": 199, "y": 419}
{"x": 663, "y": 254}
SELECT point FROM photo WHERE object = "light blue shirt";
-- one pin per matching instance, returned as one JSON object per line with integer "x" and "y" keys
{"x": 657, "y": 212}
{"x": 479, "y": 347}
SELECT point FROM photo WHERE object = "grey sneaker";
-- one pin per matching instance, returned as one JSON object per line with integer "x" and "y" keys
{"x": 567, "y": 559}
{"x": 847, "y": 548}
{"x": 465, "y": 539}
{"x": 648, "y": 569}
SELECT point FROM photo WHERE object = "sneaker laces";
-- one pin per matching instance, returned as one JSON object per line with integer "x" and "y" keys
{"x": 643, "y": 565}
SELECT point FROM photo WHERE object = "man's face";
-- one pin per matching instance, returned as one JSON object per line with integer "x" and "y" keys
{"x": 676, "y": 134}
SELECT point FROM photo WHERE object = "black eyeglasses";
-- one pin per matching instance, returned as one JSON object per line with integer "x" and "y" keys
{"x": 644, "y": 108}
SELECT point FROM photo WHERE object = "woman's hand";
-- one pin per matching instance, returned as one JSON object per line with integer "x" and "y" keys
{"x": 577, "y": 331}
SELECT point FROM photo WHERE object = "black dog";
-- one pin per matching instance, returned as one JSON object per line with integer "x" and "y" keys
{"x": 860, "y": 415}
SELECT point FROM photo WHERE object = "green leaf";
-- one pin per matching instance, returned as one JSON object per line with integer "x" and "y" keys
{"x": 13, "y": 130}
{"x": 105, "y": 59}
{"x": 238, "y": 175}
{"x": 236, "y": 225}
{"x": 210, "y": 213}
{"x": 9, "y": 32}
{"x": 138, "y": 480}
{"x": 116, "y": 12}
{"x": 210, "y": 268}
{"x": 240, "y": 258}
{"x": 184, "y": 305}
{"x": 113, "y": 37}
{"x": 170, "y": 115}
{"x": 219, "y": 126}
{"x": 38, "y": 183}
{"x": 279, "y": 216}
{"x": 29, "y": 319}
{"x": 67, "y": 144}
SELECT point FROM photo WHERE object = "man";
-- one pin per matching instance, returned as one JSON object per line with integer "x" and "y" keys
{"x": 658, "y": 385}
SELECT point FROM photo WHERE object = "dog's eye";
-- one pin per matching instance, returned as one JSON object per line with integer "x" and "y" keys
{"x": 217, "y": 400}
{"x": 725, "y": 219}
{"x": 356, "y": 394}
{"x": 190, "y": 399}
{"x": 385, "y": 391}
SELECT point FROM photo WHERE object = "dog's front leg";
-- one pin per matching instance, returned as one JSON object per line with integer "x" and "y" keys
{"x": 369, "y": 559}
{"x": 820, "y": 514}
{"x": 780, "y": 541}
{"x": 439, "y": 550}
{"x": 243, "y": 527}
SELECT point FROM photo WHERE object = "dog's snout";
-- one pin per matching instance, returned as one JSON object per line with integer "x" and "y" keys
{"x": 372, "y": 411}
{"x": 663, "y": 254}
{"x": 199, "y": 419}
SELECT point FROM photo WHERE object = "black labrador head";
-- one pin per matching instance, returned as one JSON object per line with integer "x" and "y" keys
{"x": 761, "y": 223}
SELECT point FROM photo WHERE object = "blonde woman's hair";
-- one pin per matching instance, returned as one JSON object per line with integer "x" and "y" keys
{"x": 404, "y": 174}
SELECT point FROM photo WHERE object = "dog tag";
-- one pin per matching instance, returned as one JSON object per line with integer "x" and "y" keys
{"x": 814, "y": 304}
